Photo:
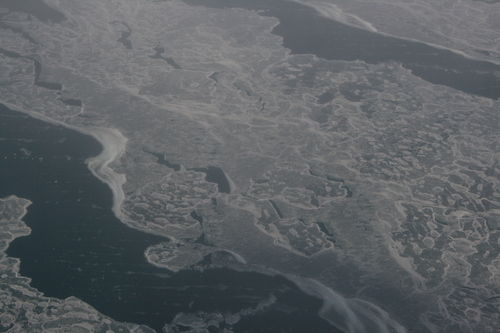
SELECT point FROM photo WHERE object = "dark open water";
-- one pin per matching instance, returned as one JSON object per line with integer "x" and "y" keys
{"x": 79, "y": 248}
{"x": 304, "y": 31}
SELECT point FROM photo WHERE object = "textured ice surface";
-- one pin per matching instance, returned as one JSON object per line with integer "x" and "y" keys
{"x": 379, "y": 185}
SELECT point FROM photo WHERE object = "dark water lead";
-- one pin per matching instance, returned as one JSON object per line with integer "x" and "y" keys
{"x": 43, "y": 84}
{"x": 77, "y": 247}
{"x": 158, "y": 55}
{"x": 304, "y": 31}
{"x": 217, "y": 176}
{"x": 71, "y": 102}
{"x": 197, "y": 217}
{"x": 37, "y": 8}
{"x": 124, "y": 36}
{"x": 213, "y": 174}
{"x": 16, "y": 30}
{"x": 163, "y": 161}
{"x": 38, "y": 70}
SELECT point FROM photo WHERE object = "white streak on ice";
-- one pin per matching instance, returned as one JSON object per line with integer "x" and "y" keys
{"x": 333, "y": 12}
{"x": 236, "y": 256}
{"x": 406, "y": 263}
{"x": 348, "y": 315}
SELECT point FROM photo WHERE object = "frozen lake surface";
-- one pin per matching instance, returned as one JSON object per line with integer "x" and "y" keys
{"x": 260, "y": 165}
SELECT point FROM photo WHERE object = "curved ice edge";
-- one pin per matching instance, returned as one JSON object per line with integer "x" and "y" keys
{"x": 113, "y": 146}
{"x": 113, "y": 143}
{"x": 333, "y": 12}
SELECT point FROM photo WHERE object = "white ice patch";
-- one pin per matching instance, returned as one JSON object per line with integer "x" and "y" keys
{"x": 333, "y": 12}
{"x": 113, "y": 143}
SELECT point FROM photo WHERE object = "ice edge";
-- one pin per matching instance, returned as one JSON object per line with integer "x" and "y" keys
{"x": 113, "y": 146}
